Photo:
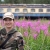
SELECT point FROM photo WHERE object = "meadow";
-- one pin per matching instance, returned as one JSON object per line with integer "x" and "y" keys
{"x": 36, "y": 33}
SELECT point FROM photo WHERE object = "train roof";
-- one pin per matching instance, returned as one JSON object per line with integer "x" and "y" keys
{"x": 25, "y": 5}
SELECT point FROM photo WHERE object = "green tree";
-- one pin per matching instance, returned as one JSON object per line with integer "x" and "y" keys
{"x": 28, "y": 1}
{"x": 25, "y": 1}
{"x": 42, "y": 1}
{"x": 1, "y": 1}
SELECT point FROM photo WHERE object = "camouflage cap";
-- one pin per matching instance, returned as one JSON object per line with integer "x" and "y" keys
{"x": 8, "y": 15}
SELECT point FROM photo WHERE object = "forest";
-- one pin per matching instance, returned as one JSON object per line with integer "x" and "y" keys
{"x": 24, "y": 1}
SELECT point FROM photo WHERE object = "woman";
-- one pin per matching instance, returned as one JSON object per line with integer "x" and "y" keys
{"x": 15, "y": 41}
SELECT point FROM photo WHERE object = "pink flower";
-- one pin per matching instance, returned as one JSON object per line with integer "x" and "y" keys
{"x": 26, "y": 34}
{"x": 46, "y": 32}
{"x": 37, "y": 29}
{"x": 35, "y": 36}
{"x": 29, "y": 23}
{"x": 23, "y": 24}
{"x": 44, "y": 27}
{"x": 17, "y": 24}
{"x": 49, "y": 22}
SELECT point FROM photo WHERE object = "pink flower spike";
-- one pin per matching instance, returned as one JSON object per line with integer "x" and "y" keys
{"x": 26, "y": 34}
{"x": 35, "y": 36}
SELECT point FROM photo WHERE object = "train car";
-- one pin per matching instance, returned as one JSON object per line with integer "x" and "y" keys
{"x": 26, "y": 10}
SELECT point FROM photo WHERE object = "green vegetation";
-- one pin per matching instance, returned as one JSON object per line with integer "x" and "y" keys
{"x": 24, "y": 1}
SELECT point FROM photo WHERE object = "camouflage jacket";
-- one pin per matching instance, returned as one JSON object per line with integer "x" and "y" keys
{"x": 14, "y": 43}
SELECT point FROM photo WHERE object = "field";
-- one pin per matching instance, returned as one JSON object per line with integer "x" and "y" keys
{"x": 36, "y": 33}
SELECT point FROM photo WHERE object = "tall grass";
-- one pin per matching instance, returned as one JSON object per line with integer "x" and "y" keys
{"x": 36, "y": 34}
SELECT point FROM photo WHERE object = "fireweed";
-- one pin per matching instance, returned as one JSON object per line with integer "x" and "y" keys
{"x": 36, "y": 34}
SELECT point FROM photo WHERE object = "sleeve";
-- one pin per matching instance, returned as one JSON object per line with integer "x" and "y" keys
{"x": 20, "y": 43}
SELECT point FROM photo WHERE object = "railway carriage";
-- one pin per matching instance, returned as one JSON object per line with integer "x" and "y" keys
{"x": 26, "y": 10}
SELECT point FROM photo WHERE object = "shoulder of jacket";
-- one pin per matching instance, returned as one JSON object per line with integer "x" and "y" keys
{"x": 18, "y": 34}
{"x": 2, "y": 29}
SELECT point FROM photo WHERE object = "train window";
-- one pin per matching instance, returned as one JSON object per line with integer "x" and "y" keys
{"x": 24, "y": 10}
{"x": 48, "y": 10}
{"x": 9, "y": 10}
{"x": 32, "y": 10}
{"x": 1, "y": 9}
{"x": 16, "y": 10}
{"x": 40, "y": 10}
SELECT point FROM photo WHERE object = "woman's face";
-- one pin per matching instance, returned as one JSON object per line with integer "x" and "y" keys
{"x": 8, "y": 22}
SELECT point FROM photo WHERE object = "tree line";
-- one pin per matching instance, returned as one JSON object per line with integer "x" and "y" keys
{"x": 24, "y": 1}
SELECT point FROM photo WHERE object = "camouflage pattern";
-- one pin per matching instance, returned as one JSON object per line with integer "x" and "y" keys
{"x": 15, "y": 42}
